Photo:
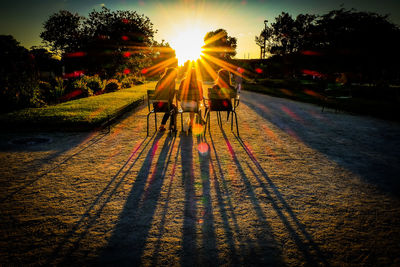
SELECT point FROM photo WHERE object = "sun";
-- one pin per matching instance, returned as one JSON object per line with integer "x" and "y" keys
{"x": 188, "y": 44}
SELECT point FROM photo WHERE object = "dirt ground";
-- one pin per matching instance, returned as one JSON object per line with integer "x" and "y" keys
{"x": 298, "y": 187}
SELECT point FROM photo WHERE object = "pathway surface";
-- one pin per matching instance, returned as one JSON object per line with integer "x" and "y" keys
{"x": 299, "y": 187}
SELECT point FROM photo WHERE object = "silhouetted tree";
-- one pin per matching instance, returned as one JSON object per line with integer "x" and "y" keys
{"x": 18, "y": 76}
{"x": 219, "y": 44}
{"x": 106, "y": 40}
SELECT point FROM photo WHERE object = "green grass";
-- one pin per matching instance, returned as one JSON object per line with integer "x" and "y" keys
{"x": 82, "y": 113}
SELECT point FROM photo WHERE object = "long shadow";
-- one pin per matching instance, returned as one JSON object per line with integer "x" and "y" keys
{"x": 226, "y": 212}
{"x": 126, "y": 245}
{"x": 88, "y": 144}
{"x": 266, "y": 252}
{"x": 342, "y": 141}
{"x": 210, "y": 255}
{"x": 311, "y": 251}
{"x": 190, "y": 253}
{"x": 161, "y": 231}
{"x": 88, "y": 218}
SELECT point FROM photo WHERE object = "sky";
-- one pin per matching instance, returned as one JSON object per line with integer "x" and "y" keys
{"x": 243, "y": 19}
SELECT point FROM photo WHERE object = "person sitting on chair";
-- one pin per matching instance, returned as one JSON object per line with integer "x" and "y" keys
{"x": 165, "y": 90}
{"x": 223, "y": 88}
{"x": 190, "y": 94}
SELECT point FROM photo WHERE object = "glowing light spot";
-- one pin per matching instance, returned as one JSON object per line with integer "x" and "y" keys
{"x": 76, "y": 54}
{"x": 197, "y": 129}
{"x": 124, "y": 37}
{"x": 311, "y": 53}
{"x": 225, "y": 103}
{"x": 313, "y": 73}
{"x": 259, "y": 71}
{"x": 144, "y": 71}
{"x": 77, "y": 73}
{"x": 126, "y": 54}
{"x": 126, "y": 21}
{"x": 127, "y": 71}
{"x": 203, "y": 148}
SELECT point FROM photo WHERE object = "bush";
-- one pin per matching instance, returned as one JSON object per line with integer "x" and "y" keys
{"x": 81, "y": 85}
{"x": 112, "y": 85}
{"x": 58, "y": 89}
{"x": 94, "y": 83}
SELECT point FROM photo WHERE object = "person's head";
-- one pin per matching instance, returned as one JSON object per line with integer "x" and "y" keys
{"x": 170, "y": 74}
{"x": 224, "y": 78}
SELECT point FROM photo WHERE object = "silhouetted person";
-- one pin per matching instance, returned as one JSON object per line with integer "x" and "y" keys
{"x": 190, "y": 94}
{"x": 165, "y": 90}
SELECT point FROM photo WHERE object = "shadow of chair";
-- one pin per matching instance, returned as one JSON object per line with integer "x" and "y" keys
{"x": 336, "y": 97}
{"x": 155, "y": 106}
{"x": 221, "y": 100}
{"x": 187, "y": 106}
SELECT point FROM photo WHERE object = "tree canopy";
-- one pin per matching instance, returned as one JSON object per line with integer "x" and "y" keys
{"x": 104, "y": 42}
{"x": 219, "y": 44}
{"x": 340, "y": 41}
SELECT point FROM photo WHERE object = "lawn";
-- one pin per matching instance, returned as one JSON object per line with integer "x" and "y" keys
{"x": 84, "y": 113}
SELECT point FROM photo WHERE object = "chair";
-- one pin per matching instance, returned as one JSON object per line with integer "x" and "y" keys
{"x": 155, "y": 106}
{"x": 336, "y": 97}
{"x": 218, "y": 100}
{"x": 185, "y": 108}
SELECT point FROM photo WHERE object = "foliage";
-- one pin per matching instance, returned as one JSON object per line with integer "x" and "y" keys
{"x": 59, "y": 89}
{"x": 82, "y": 86}
{"x": 45, "y": 61}
{"x": 112, "y": 85}
{"x": 64, "y": 32}
{"x": 94, "y": 83}
{"x": 339, "y": 41}
{"x": 104, "y": 43}
{"x": 82, "y": 112}
{"x": 18, "y": 76}
{"x": 219, "y": 44}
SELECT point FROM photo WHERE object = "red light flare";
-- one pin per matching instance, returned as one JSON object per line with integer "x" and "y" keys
{"x": 144, "y": 71}
{"x": 127, "y": 71}
{"x": 203, "y": 148}
{"x": 76, "y": 54}
{"x": 126, "y": 54}
{"x": 258, "y": 70}
{"x": 313, "y": 73}
{"x": 71, "y": 95}
{"x": 74, "y": 74}
{"x": 126, "y": 21}
{"x": 311, "y": 53}
{"x": 313, "y": 93}
{"x": 124, "y": 38}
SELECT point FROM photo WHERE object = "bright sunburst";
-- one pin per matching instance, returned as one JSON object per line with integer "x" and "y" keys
{"x": 188, "y": 44}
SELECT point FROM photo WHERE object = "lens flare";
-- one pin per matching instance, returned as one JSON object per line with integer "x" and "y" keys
{"x": 203, "y": 149}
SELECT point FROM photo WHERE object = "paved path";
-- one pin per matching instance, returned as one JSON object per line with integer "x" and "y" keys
{"x": 300, "y": 187}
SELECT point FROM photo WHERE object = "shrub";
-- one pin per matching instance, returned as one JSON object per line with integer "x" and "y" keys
{"x": 58, "y": 90}
{"x": 112, "y": 85}
{"x": 94, "y": 83}
{"x": 81, "y": 85}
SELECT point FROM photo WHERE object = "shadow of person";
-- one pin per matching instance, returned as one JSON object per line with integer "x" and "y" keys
{"x": 127, "y": 243}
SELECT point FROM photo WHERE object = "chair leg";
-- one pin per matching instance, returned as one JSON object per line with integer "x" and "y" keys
{"x": 232, "y": 121}
{"x": 237, "y": 126}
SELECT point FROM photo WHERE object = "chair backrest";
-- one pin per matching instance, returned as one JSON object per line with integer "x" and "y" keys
{"x": 158, "y": 105}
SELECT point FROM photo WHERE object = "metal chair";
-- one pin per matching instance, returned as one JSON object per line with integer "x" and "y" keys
{"x": 221, "y": 100}
{"x": 185, "y": 109}
{"x": 155, "y": 106}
